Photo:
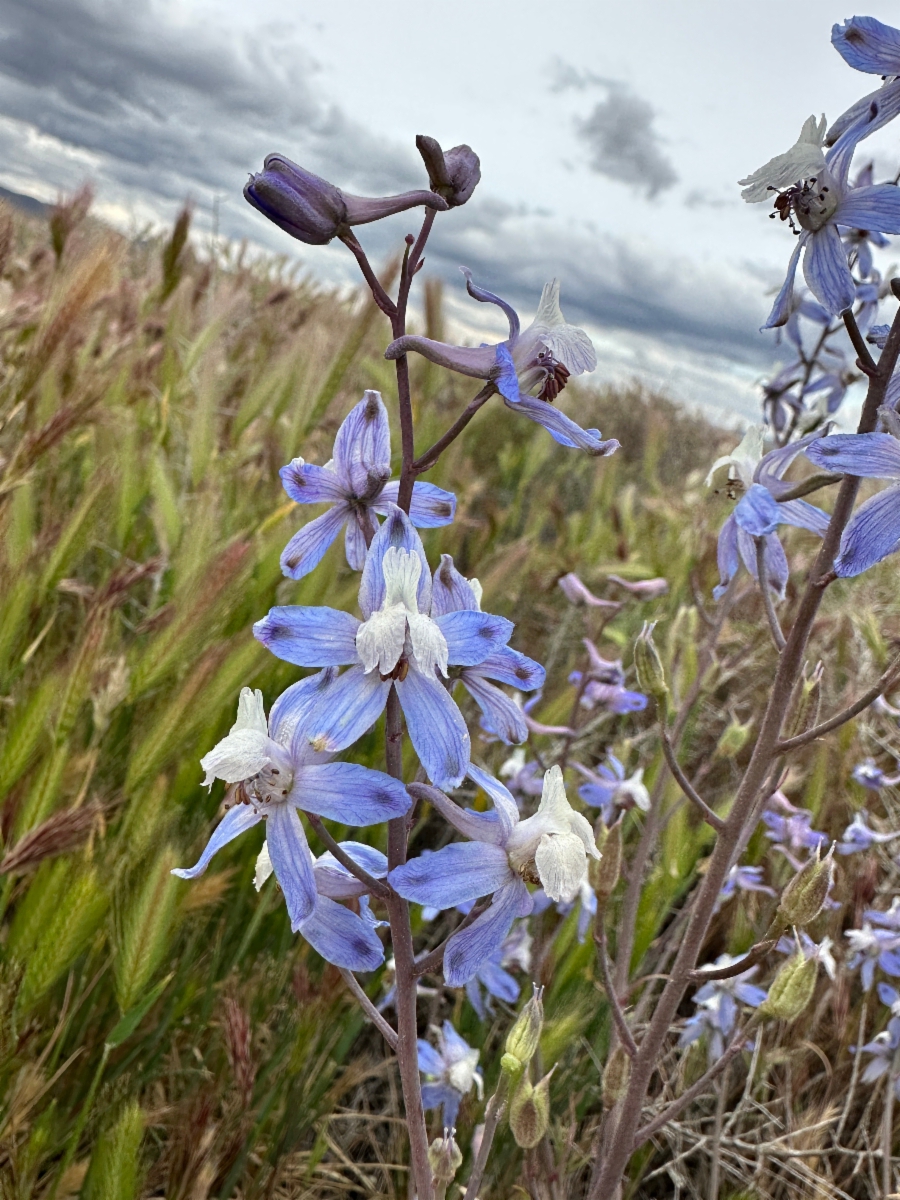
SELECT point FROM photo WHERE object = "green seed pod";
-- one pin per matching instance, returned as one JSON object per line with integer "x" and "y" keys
{"x": 604, "y": 875}
{"x": 804, "y": 897}
{"x": 808, "y": 703}
{"x": 733, "y": 739}
{"x": 522, "y": 1040}
{"x": 616, "y": 1074}
{"x": 529, "y": 1112}
{"x": 792, "y": 989}
{"x": 648, "y": 665}
{"x": 444, "y": 1158}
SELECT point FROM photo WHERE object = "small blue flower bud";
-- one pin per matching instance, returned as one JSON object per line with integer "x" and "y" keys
{"x": 307, "y": 207}
{"x": 453, "y": 174}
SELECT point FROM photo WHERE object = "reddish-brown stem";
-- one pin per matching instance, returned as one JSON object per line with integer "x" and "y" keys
{"x": 375, "y": 886}
{"x": 427, "y": 460}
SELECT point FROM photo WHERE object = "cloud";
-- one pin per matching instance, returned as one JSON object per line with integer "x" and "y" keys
{"x": 153, "y": 108}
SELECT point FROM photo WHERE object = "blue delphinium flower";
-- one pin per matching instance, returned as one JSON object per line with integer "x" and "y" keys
{"x": 873, "y": 532}
{"x": 817, "y": 193}
{"x": 869, "y": 775}
{"x": 451, "y": 1071}
{"x": 501, "y": 716}
{"x": 819, "y": 952}
{"x": 397, "y": 644}
{"x": 868, "y": 45}
{"x": 884, "y": 1048}
{"x": 494, "y": 976}
{"x": 873, "y": 947}
{"x": 608, "y": 789}
{"x": 274, "y": 769}
{"x": 860, "y": 836}
{"x": 759, "y": 512}
{"x": 717, "y": 1007}
{"x": 605, "y": 687}
{"x": 523, "y": 777}
{"x": 529, "y": 369}
{"x": 551, "y": 848}
{"x": 341, "y": 936}
{"x": 355, "y": 484}
{"x": 790, "y": 829}
{"x": 743, "y": 879}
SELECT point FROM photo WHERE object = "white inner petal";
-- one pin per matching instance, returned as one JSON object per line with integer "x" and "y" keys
{"x": 399, "y": 626}
{"x": 264, "y": 867}
{"x": 381, "y": 639}
{"x": 561, "y": 863}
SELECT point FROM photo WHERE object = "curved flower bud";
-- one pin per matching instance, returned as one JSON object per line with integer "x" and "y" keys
{"x": 453, "y": 174}
{"x": 313, "y": 210}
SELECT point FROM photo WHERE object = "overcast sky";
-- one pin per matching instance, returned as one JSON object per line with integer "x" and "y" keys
{"x": 610, "y": 135}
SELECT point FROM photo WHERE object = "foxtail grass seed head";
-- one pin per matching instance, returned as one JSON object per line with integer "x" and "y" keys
{"x": 524, "y": 1038}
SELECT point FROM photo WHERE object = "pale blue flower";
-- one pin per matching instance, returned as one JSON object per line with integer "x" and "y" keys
{"x": 275, "y": 769}
{"x": 717, "y": 1007}
{"x": 451, "y": 1071}
{"x": 355, "y": 485}
{"x": 529, "y": 369}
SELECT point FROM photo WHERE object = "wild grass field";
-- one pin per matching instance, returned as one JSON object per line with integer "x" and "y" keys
{"x": 166, "y": 1039}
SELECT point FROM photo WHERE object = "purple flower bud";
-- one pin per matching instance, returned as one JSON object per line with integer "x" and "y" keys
{"x": 315, "y": 211}
{"x": 453, "y": 174}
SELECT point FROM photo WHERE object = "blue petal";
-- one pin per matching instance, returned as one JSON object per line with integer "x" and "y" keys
{"x": 291, "y": 861}
{"x": 397, "y": 530}
{"x": 234, "y": 823}
{"x": 727, "y": 556}
{"x": 876, "y": 208}
{"x": 772, "y": 466}
{"x": 362, "y": 446}
{"x": 598, "y": 795}
{"x": 757, "y": 511}
{"x": 472, "y": 636}
{"x": 349, "y": 794}
{"x": 826, "y": 271}
{"x": 334, "y": 880}
{"x": 479, "y": 826}
{"x": 355, "y": 544}
{"x": 803, "y": 516}
{"x": 868, "y": 114}
{"x": 308, "y": 546}
{"x": 309, "y": 637}
{"x": 459, "y": 872}
{"x": 308, "y": 484}
{"x": 430, "y": 1062}
{"x": 504, "y": 804}
{"x": 866, "y": 44}
{"x": 436, "y": 728}
{"x": 500, "y": 715}
{"x": 776, "y": 563}
{"x": 296, "y": 705}
{"x": 342, "y": 937}
{"x": 784, "y": 301}
{"x": 872, "y": 533}
{"x": 473, "y": 993}
{"x": 869, "y": 455}
{"x": 557, "y": 424}
{"x": 429, "y": 508}
{"x": 348, "y": 707}
{"x": 499, "y": 982}
{"x": 436, "y": 1094}
{"x": 451, "y": 591}
{"x": 517, "y": 670}
{"x": 468, "y": 950}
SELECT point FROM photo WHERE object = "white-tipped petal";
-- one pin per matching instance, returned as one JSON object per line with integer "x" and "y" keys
{"x": 561, "y": 863}
{"x": 264, "y": 867}
{"x": 240, "y": 755}
{"x": 429, "y": 646}
{"x": 381, "y": 639}
{"x": 803, "y": 161}
{"x": 250, "y": 713}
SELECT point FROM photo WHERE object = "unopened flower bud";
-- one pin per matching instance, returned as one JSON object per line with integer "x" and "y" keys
{"x": 804, "y": 897}
{"x": 523, "y": 1039}
{"x": 648, "y": 665}
{"x": 315, "y": 211}
{"x": 529, "y": 1112}
{"x": 453, "y": 174}
{"x": 616, "y": 1074}
{"x": 604, "y": 875}
{"x": 809, "y": 703}
{"x": 733, "y": 739}
{"x": 792, "y": 989}
{"x": 444, "y": 1158}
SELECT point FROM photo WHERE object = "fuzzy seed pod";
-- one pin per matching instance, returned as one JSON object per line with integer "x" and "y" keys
{"x": 792, "y": 989}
